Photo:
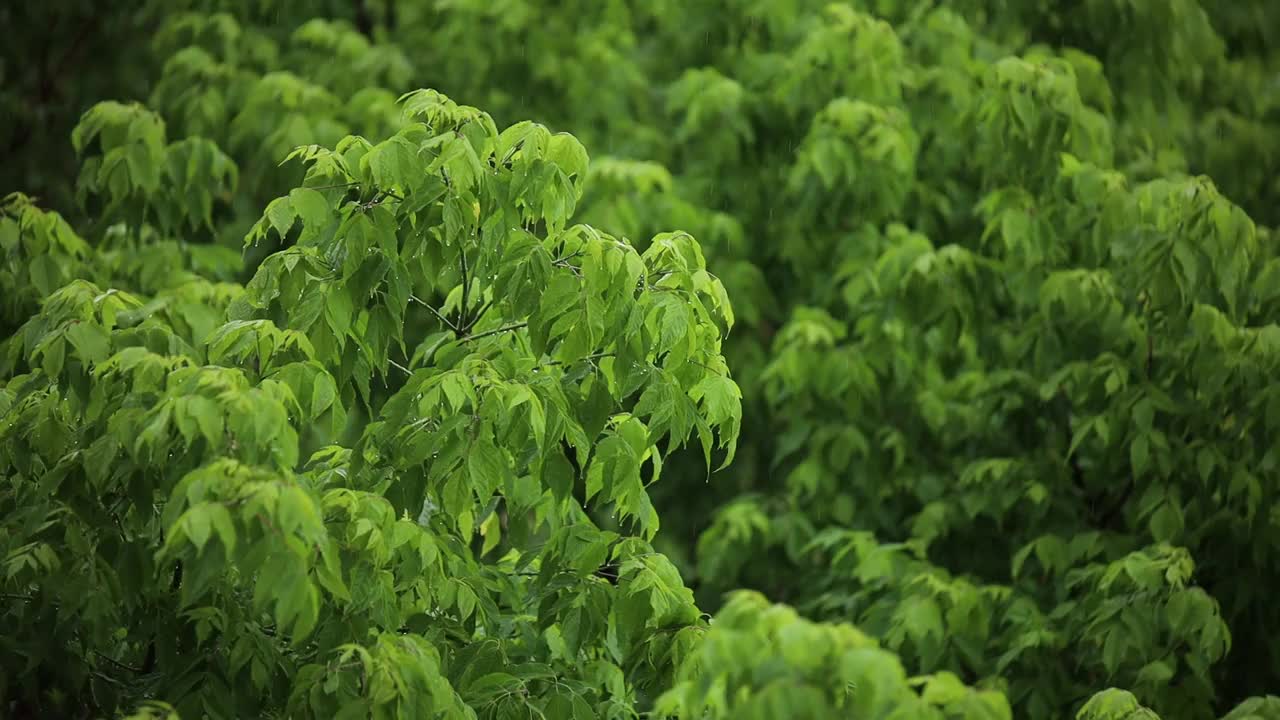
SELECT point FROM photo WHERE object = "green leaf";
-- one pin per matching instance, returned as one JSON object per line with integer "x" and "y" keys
{"x": 197, "y": 523}
{"x": 311, "y": 206}
{"x": 487, "y": 469}
{"x": 1140, "y": 455}
{"x": 280, "y": 214}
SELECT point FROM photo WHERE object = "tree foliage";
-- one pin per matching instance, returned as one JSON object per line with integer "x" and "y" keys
{"x": 321, "y": 396}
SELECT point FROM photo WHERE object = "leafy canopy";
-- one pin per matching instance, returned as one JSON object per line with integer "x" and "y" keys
{"x": 321, "y": 399}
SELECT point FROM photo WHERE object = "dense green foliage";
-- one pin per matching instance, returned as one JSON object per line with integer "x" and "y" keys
{"x": 946, "y": 328}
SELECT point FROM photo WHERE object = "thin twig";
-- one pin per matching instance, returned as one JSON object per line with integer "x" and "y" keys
{"x": 466, "y": 286}
{"x": 595, "y": 356}
{"x": 487, "y": 333}
{"x": 118, "y": 664}
{"x": 385, "y": 197}
{"x": 333, "y": 187}
{"x": 566, "y": 258}
{"x": 400, "y": 367}
{"x": 435, "y": 312}
{"x": 104, "y": 678}
{"x": 479, "y": 314}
